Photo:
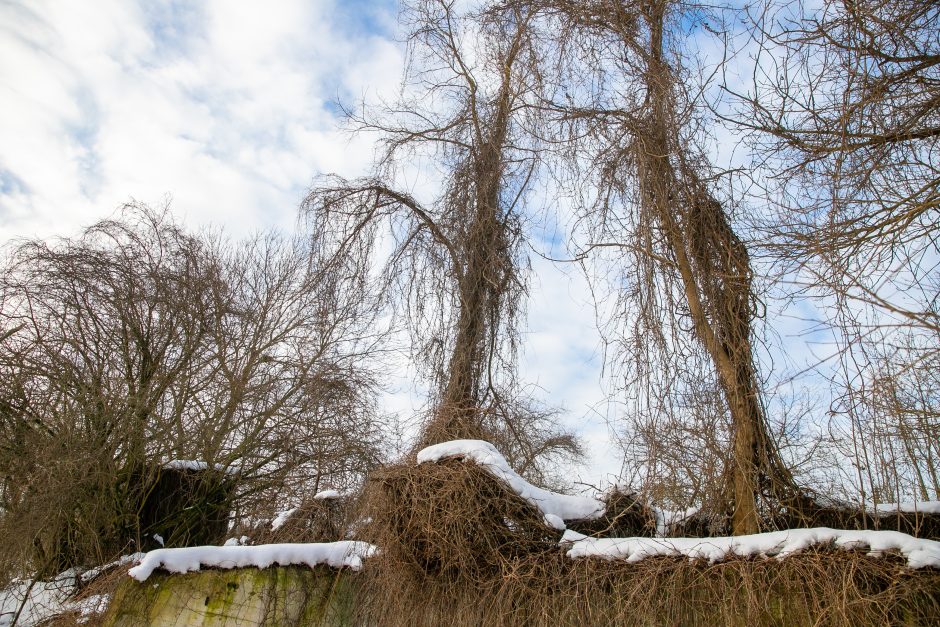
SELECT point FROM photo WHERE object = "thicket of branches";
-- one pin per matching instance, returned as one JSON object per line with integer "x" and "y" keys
{"x": 137, "y": 344}
{"x": 843, "y": 119}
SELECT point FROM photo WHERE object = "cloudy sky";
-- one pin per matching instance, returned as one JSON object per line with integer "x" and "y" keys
{"x": 226, "y": 110}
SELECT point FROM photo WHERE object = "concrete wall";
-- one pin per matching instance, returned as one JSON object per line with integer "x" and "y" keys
{"x": 285, "y": 596}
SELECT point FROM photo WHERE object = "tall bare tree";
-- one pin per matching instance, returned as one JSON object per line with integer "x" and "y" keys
{"x": 456, "y": 263}
{"x": 633, "y": 109}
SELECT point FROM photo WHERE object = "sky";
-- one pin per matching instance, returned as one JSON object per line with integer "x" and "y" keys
{"x": 226, "y": 110}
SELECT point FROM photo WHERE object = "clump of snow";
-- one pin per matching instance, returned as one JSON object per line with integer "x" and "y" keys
{"x": 919, "y": 553}
{"x": 159, "y": 539}
{"x": 237, "y": 541}
{"x": 327, "y": 494}
{"x": 555, "y": 522}
{"x": 281, "y": 518}
{"x": 192, "y": 464}
{"x": 667, "y": 521}
{"x": 484, "y": 454}
{"x": 345, "y": 553}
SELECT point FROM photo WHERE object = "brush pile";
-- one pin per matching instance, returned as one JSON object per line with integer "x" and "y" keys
{"x": 453, "y": 521}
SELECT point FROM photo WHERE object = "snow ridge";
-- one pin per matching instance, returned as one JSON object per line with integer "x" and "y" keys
{"x": 345, "y": 553}
{"x": 919, "y": 553}
{"x": 485, "y": 455}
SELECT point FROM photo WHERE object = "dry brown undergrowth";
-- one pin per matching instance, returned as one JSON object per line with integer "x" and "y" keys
{"x": 459, "y": 548}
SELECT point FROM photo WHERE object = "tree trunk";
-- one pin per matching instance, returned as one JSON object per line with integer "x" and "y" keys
{"x": 714, "y": 268}
{"x": 482, "y": 283}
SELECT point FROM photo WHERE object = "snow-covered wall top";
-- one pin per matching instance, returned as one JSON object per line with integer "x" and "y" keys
{"x": 779, "y": 544}
{"x": 345, "y": 553}
{"x": 553, "y": 506}
{"x": 909, "y": 507}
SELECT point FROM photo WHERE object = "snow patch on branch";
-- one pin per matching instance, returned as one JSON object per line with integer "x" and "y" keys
{"x": 324, "y": 495}
{"x": 909, "y": 507}
{"x": 282, "y": 518}
{"x": 667, "y": 520}
{"x": 342, "y": 554}
{"x": 193, "y": 464}
{"x": 779, "y": 544}
{"x": 486, "y": 456}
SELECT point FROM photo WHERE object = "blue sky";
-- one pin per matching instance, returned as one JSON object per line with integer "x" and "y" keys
{"x": 226, "y": 110}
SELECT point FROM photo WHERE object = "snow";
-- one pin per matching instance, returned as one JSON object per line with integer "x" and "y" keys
{"x": 192, "y": 464}
{"x": 345, "y": 553}
{"x": 159, "y": 539}
{"x": 484, "y": 454}
{"x": 667, "y": 520}
{"x": 237, "y": 541}
{"x": 133, "y": 558}
{"x": 923, "y": 507}
{"x": 919, "y": 553}
{"x": 48, "y": 599}
{"x": 282, "y": 518}
{"x": 327, "y": 494}
{"x": 44, "y": 599}
{"x": 90, "y": 606}
{"x": 881, "y": 509}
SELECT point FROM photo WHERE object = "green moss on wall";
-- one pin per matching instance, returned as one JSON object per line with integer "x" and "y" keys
{"x": 214, "y": 598}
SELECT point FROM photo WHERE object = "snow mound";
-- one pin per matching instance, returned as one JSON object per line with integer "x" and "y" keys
{"x": 919, "y": 553}
{"x": 486, "y": 456}
{"x": 346, "y": 553}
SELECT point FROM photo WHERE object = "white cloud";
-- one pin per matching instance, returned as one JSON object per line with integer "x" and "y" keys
{"x": 224, "y": 109}
{"x": 562, "y": 357}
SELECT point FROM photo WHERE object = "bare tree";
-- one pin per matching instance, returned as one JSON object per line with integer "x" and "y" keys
{"x": 457, "y": 263}
{"x": 633, "y": 110}
{"x": 843, "y": 116}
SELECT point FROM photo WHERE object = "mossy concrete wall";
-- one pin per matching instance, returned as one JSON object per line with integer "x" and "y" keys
{"x": 288, "y": 596}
